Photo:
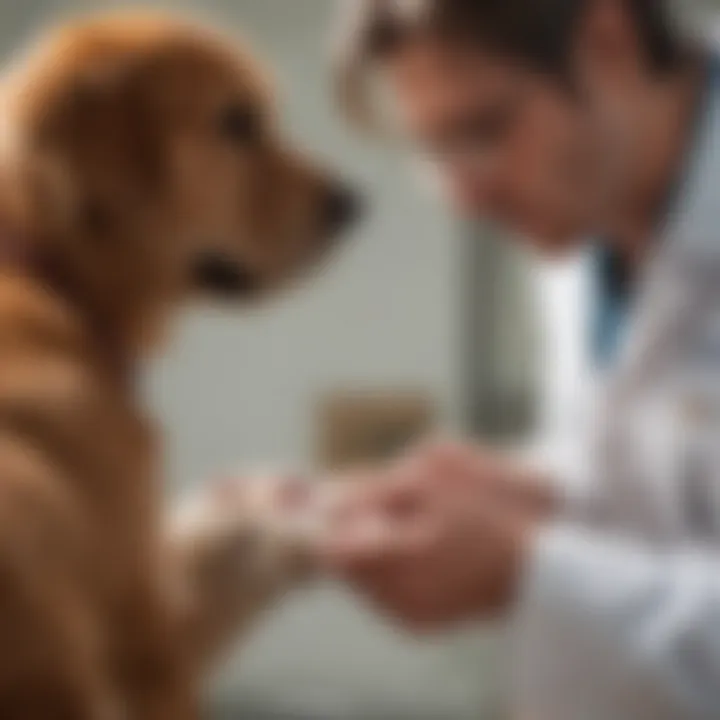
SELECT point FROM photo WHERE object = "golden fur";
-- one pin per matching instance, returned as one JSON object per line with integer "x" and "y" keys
{"x": 132, "y": 148}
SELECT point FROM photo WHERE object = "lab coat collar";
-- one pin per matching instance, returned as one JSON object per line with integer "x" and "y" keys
{"x": 693, "y": 213}
{"x": 671, "y": 284}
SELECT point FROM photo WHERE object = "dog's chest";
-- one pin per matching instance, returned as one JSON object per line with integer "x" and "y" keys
{"x": 143, "y": 620}
{"x": 125, "y": 500}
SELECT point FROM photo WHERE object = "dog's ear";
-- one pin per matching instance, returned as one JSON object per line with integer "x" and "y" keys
{"x": 100, "y": 130}
{"x": 104, "y": 108}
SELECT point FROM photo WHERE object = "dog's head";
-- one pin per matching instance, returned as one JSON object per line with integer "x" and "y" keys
{"x": 159, "y": 167}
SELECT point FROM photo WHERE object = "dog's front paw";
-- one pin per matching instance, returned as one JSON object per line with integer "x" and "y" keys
{"x": 258, "y": 531}
{"x": 242, "y": 545}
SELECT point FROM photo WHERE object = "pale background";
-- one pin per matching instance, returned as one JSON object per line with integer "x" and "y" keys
{"x": 391, "y": 312}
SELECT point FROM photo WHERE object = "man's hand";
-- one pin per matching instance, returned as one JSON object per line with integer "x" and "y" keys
{"x": 442, "y": 537}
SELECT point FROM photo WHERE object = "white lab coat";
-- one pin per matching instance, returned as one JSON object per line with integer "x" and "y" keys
{"x": 619, "y": 614}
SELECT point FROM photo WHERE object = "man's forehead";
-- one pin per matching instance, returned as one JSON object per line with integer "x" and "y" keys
{"x": 427, "y": 77}
{"x": 429, "y": 66}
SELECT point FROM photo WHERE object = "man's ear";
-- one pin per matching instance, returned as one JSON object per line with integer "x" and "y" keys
{"x": 607, "y": 44}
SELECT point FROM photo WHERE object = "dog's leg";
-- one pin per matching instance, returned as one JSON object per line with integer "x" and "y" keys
{"x": 235, "y": 554}
{"x": 157, "y": 673}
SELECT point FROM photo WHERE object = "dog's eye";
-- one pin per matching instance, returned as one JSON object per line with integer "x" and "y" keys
{"x": 241, "y": 124}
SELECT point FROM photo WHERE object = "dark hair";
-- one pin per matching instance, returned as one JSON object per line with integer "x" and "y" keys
{"x": 536, "y": 32}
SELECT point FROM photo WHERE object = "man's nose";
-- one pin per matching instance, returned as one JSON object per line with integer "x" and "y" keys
{"x": 481, "y": 195}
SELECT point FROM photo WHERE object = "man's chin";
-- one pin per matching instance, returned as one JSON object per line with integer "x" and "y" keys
{"x": 547, "y": 240}
{"x": 551, "y": 244}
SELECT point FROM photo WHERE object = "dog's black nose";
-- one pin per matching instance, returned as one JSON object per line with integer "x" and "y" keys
{"x": 343, "y": 208}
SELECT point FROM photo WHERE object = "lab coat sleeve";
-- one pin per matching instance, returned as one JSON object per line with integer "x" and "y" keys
{"x": 610, "y": 630}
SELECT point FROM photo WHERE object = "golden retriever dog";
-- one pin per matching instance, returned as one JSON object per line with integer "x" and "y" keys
{"x": 142, "y": 166}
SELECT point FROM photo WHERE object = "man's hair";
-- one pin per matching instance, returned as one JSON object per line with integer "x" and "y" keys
{"x": 539, "y": 33}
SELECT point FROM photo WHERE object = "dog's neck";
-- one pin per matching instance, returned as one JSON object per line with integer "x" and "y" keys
{"x": 21, "y": 253}
{"x": 26, "y": 243}
{"x": 110, "y": 346}
{"x": 44, "y": 234}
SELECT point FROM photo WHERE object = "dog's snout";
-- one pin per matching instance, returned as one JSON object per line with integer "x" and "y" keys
{"x": 343, "y": 208}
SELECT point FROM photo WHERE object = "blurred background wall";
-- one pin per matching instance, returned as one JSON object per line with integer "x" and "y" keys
{"x": 402, "y": 306}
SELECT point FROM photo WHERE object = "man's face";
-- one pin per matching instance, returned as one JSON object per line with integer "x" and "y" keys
{"x": 510, "y": 146}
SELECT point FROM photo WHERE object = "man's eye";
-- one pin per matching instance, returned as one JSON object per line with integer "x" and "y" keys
{"x": 241, "y": 124}
{"x": 489, "y": 127}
